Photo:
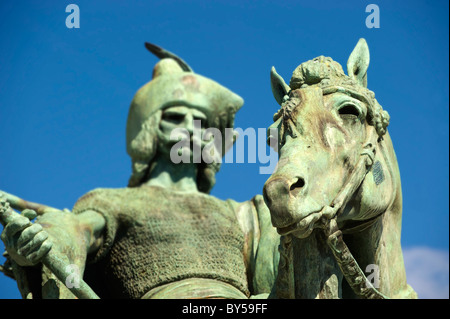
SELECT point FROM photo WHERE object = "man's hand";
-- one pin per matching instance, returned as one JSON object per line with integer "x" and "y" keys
{"x": 25, "y": 242}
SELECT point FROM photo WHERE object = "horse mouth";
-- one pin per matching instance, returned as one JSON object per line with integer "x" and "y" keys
{"x": 301, "y": 228}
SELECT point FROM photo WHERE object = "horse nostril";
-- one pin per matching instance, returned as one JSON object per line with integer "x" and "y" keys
{"x": 297, "y": 186}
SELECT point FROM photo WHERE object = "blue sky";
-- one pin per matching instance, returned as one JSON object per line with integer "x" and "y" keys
{"x": 65, "y": 93}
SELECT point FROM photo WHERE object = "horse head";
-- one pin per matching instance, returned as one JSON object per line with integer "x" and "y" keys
{"x": 327, "y": 122}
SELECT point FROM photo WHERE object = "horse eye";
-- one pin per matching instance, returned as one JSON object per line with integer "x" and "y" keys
{"x": 349, "y": 109}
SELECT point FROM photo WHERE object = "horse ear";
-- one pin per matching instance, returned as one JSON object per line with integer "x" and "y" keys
{"x": 358, "y": 62}
{"x": 279, "y": 87}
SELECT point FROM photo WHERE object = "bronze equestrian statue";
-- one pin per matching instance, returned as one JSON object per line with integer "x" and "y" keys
{"x": 334, "y": 200}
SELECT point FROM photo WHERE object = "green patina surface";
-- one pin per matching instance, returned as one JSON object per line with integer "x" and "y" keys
{"x": 335, "y": 198}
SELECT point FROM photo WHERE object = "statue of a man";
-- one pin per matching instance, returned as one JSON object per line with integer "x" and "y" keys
{"x": 163, "y": 236}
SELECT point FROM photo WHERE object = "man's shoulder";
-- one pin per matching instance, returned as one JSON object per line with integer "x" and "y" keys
{"x": 102, "y": 192}
{"x": 99, "y": 197}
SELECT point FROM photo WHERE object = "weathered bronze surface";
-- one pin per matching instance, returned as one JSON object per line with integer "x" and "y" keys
{"x": 334, "y": 200}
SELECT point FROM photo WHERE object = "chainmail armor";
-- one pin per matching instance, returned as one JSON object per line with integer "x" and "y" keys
{"x": 155, "y": 236}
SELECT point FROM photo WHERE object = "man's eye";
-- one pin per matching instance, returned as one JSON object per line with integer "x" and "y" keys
{"x": 173, "y": 118}
{"x": 349, "y": 110}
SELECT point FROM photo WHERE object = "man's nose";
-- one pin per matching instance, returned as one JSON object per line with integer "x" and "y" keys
{"x": 188, "y": 123}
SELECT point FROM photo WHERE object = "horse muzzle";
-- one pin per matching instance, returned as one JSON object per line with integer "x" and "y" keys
{"x": 291, "y": 209}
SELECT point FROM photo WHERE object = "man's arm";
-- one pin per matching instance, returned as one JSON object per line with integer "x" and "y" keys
{"x": 93, "y": 225}
{"x": 71, "y": 238}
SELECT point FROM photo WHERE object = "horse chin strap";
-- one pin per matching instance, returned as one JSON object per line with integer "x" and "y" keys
{"x": 347, "y": 263}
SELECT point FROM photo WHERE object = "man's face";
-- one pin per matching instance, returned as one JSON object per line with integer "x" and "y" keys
{"x": 182, "y": 118}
